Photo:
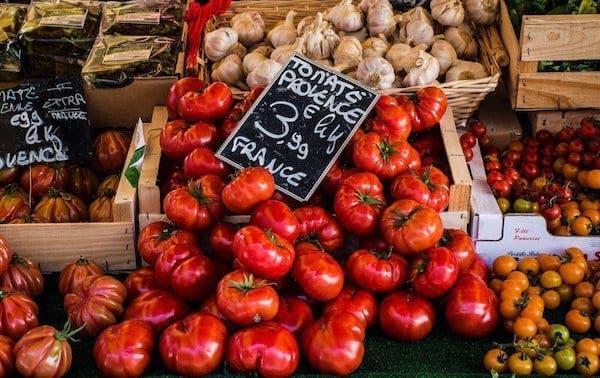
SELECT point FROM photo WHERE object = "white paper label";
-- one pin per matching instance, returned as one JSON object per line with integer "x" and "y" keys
{"x": 134, "y": 55}
{"x": 72, "y": 18}
{"x": 134, "y": 16}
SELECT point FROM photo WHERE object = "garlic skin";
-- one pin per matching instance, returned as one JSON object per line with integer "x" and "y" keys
{"x": 250, "y": 27}
{"x": 305, "y": 24}
{"x": 348, "y": 54}
{"x": 445, "y": 54}
{"x": 461, "y": 38}
{"x": 264, "y": 50}
{"x": 238, "y": 49}
{"x": 263, "y": 74}
{"x": 228, "y": 70}
{"x": 482, "y": 12}
{"x": 424, "y": 72}
{"x": 345, "y": 16}
{"x": 375, "y": 46}
{"x": 396, "y": 54}
{"x": 251, "y": 61}
{"x": 406, "y": 62}
{"x": 465, "y": 70}
{"x": 361, "y": 34}
{"x": 448, "y": 12}
{"x": 375, "y": 72}
{"x": 364, "y": 5}
{"x": 284, "y": 32}
{"x": 416, "y": 33}
{"x": 320, "y": 40}
{"x": 380, "y": 20}
{"x": 282, "y": 53}
{"x": 218, "y": 43}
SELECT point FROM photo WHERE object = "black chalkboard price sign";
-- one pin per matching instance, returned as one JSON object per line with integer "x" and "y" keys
{"x": 299, "y": 125}
{"x": 43, "y": 121}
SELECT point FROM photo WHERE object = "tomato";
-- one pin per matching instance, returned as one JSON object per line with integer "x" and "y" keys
{"x": 360, "y": 302}
{"x": 434, "y": 272}
{"x": 501, "y": 188}
{"x": 410, "y": 227}
{"x": 5, "y": 255}
{"x": 39, "y": 178}
{"x": 178, "y": 89}
{"x": 178, "y": 139}
{"x": 7, "y": 356}
{"x": 429, "y": 186}
{"x": 587, "y": 363}
{"x": 208, "y": 104}
{"x": 14, "y": 203}
{"x": 139, "y": 282}
{"x": 374, "y": 154}
{"x": 428, "y": 107}
{"x": 294, "y": 314}
{"x": 581, "y": 226}
{"x": 195, "y": 345}
{"x": 520, "y": 363}
{"x": 493, "y": 165}
{"x": 335, "y": 175}
{"x": 468, "y": 140}
{"x": 60, "y": 207}
{"x": 376, "y": 271}
{"x": 317, "y": 272}
{"x": 124, "y": 349}
{"x": 578, "y": 321}
{"x": 198, "y": 206}
{"x": 461, "y": 245}
{"x": 101, "y": 208}
{"x": 565, "y": 358}
{"x": 187, "y": 271}
{"x": 472, "y": 308}
{"x": 83, "y": 182}
{"x": 110, "y": 182}
{"x": 496, "y": 359}
{"x": 406, "y": 316}
{"x": 478, "y": 268}
{"x": 18, "y": 314}
{"x": 559, "y": 334}
{"x": 358, "y": 203}
{"x": 158, "y": 308}
{"x": 221, "y": 241}
{"x": 267, "y": 349}
{"x": 524, "y": 327}
{"x": 110, "y": 151}
{"x": 478, "y": 129}
{"x": 8, "y": 175}
{"x": 320, "y": 227}
{"x": 202, "y": 161}
{"x": 157, "y": 237}
{"x": 333, "y": 344}
{"x": 96, "y": 304}
{"x": 250, "y": 187}
{"x": 264, "y": 253}
{"x": 493, "y": 176}
{"x": 22, "y": 275}
{"x": 395, "y": 123}
{"x": 276, "y": 216}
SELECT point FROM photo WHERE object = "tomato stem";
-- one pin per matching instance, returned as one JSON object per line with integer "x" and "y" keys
{"x": 368, "y": 199}
{"x": 66, "y": 333}
{"x": 196, "y": 192}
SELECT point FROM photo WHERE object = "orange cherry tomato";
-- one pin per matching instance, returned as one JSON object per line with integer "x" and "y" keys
{"x": 520, "y": 277}
{"x": 581, "y": 226}
{"x": 587, "y": 363}
{"x": 566, "y": 292}
{"x": 583, "y": 304}
{"x": 496, "y": 359}
{"x": 578, "y": 321}
{"x": 503, "y": 265}
{"x": 529, "y": 265}
{"x": 548, "y": 262}
{"x": 587, "y": 345}
{"x": 551, "y": 279}
{"x": 571, "y": 272}
{"x": 551, "y": 299}
{"x": 584, "y": 289}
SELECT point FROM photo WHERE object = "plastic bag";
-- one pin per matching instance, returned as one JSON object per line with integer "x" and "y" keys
{"x": 139, "y": 17}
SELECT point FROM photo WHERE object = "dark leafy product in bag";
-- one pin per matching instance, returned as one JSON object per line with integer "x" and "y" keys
{"x": 139, "y": 17}
{"x": 11, "y": 16}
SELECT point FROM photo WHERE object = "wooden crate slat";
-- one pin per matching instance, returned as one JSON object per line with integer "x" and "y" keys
{"x": 149, "y": 192}
{"x": 554, "y": 120}
{"x": 557, "y": 90}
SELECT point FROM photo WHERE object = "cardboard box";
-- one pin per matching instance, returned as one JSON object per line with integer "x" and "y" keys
{"x": 554, "y": 120}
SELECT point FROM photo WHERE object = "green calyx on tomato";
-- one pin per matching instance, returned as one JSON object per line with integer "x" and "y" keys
{"x": 382, "y": 254}
{"x": 248, "y": 283}
{"x": 167, "y": 231}
{"x": 82, "y": 261}
{"x": 273, "y": 238}
{"x": 18, "y": 260}
{"x": 425, "y": 177}
{"x": 367, "y": 199}
{"x": 400, "y": 218}
{"x": 386, "y": 149}
{"x": 196, "y": 192}
{"x": 67, "y": 333}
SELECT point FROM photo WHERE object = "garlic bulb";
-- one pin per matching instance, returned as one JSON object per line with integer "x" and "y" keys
{"x": 407, "y": 62}
{"x": 375, "y": 46}
{"x": 396, "y": 54}
{"x": 345, "y": 16}
{"x": 366, "y": 4}
{"x": 305, "y": 24}
{"x": 282, "y": 53}
{"x": 447, "y": 12}
{"x": 380, "y": 20}
{"x": 424, "y": 72}
{"x": 263, "y": 74}
{"x": 218, "y": 43}
{"x": 284, "y": 32}
{"x": 238, "y": 49}
{"x": 325, "y": 62}
{"x": 461, "y": 38}
{"x": 251, "y": 60}
{"x": 348, "y": 53}
{"x": 361, "y": 34}
{"x": 482, "y": 12}
{"x": 320, "y": 41}
{"x": 228, "y": 70}
{"x": 250, "y": 27}
{"x": 444, "y": 53}
{"x": 264, "y": 50}
{"x": 416, "y": 14}
{"x": 465, "y": 70}
{"x": 415, "y": 33}
{"x": 375, "y": 72}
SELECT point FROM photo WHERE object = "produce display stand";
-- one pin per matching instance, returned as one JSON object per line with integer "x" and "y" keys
{"x": 554, "y": 120}
{"x": 551, "y": 37}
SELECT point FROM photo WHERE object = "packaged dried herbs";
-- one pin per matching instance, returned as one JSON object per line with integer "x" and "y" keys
{"x": 11, "y": 16}
{"x": 116, "y": 60}
{"x": 139, "y": 17}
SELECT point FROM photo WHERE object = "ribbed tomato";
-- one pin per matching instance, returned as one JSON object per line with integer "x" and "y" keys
{"x": 22, "y": 275}
{"x": 73, "y": 274}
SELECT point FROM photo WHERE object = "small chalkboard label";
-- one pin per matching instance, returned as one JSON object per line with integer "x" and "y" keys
{"x": 43, "y": 121}
{"x": 299, "y": 125}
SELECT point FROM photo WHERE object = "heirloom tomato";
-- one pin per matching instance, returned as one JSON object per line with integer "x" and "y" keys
{"x": 101, "y": 208}
{"x": 317, "y": 272}
{"x": 377, "y": 271}
{"x": 197, "y": 206}
{"x": 406, "y": 316}
{"x": 28, "y": 218}
{"x": 40, "y": 178}
{"x": 360, "y": 302}
{"x": 429, "y": 186}
{"x": 158, "y": 308}
{"x": 177, "y": 138}
{"x": 110, "y": 182}
{"x": 392, "y": 122}
{"x": 156, "y": 237}
{"x": 276, "y": 216}
{"x": 61, "y": 207}
{"x": 221, "y": 241}
{"x": 294, "y": 314}
{"x": 335, "y": 175}
{"x": 208, "y": 104}
{"x": 461, "y": 245}
{"x": 124, "y": 349}
{"x": 8, "y": 175}
{"x": 5, "y": 255}
{"x": 18, "y": 314}
{"x": 209, "y": 305}
{"x": 83, "y": 182}
{"x": 250, "y": 187}
{"x": 14, "y": 203}
{"x": 427, "y": 109}
{"x": 195, "y": 345}
{"x": 139, "y": 282}
{"x": 433, "y": 272}
{"x": 178, "y": 89}
{"x": 110, "y": 151}
{"x": 267, "y": 349}
{"x": 374, "y": 154}
{"x": 7, "y": 356}
{"x": 320, "y": 227}
{"x": 202, "y": 161}
{"x": 22, "y": 275}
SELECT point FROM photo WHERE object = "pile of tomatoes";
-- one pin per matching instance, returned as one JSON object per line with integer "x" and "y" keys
{"x": 535, "y": 289}
{"x": 65, "y": 191}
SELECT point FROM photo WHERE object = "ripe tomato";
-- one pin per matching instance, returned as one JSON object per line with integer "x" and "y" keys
{"x": 429, "y": 186}
{"x": 101, "y": 208}
{"x": 7, "y": 356}
{"x": 157, "y": 237}
{"x": 434, "y": 272}
{"x": 320, "y": 227}
{"x": 22, "y": 275}
{"x": 360, "y": 302}
{"x": 110, "y": 151}
{"x": 294, "y": 314}
{"x": 478, "y": 129}
{"x": 501, "y": 188}
{"x": 374, "y": 154}
{"x": 39, "y": 178}
{"x": 410, "y": 227}
{"x": 468, "y": 140}
{"x": 139, "y": 282}
{"x": 124, "y": 349}
{"x": 267, "y": 349}
{"x": 18, "y": 314}
{"x": 520, "y": 363}
{"x": 177, "y": 138}
{"x": 194, "y": 346}
{"x": 198, "y": 206}
{"x": 60, "y": 207}
{"x": 178, "y": 89}
{"x": 406, "y": 316}
{"x": 14, "y": 203}
{"x": 392, "y": 122}
{"x": 335, "y": 175}
{"x": 158, "y": 308}
{"x": 496, "y": 359}
{"x": 96, "y": 304}
{"x": 208, "y": 104}
{"x": 276, "y": 216}
{"x": 317, "y": 272}
{"x": 221, "y": 241}
{"x": 461, "y": 245}
{"x": 428, "y": 108}
{"x": 8, "y": 175}
{"x": 587, "y": 364}
{"x": 333, "y": 344}
{"x": 5, "y": 255}
{"x": 376, "y": 271}
{"x": 250, "y": 187}
{"x": 478, "y": 268}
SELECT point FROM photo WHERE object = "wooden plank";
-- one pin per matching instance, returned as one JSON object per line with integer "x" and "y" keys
{"x": 560, "y": 37}
{"x": 558, "y": 90}
{"x": 124, "y": 209}
{"x": 554, "y": 120}
{"x": 511, "y": 43}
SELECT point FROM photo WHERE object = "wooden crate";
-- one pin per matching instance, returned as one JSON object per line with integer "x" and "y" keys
{"x": 551, "y": 37}
{"x": 456, "y": 216}
{"x": 110, "y": 244}
{"x": 554, "y": 120}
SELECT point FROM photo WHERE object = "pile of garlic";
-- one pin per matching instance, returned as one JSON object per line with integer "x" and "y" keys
{"x": 368, "y": 41}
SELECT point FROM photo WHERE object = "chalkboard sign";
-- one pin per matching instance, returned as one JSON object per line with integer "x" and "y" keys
{"x": 43, "y": 121}
{"x": 299, "y": 125}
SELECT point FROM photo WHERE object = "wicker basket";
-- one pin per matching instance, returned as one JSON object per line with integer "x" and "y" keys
{"x": 464, "y": 96}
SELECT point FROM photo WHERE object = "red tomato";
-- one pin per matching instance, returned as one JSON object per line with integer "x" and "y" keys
{"x": 250, "y": 187}
{"x": 175, "y": 179}
{"x": 429, "y": 186}
{"x": 246, "y": 300}
{"x": 194, "y": 346}
{"x": 209, "y": 305}
{"x": 156, "y": 237}
{"x": 198, "y": 206}
{"x": 5, "y": 255}
{"x": 221, "y": 241}
{"x": 177, "y": 138}
{"x": 7, "y": 356}
{"x": 74, "y": 273}
{"x": 158, "y": 308}
{"x": 468, "y": 140}
{"x": 39, "y": 178}
{"x": 334, "y": 343}
{"x": 178, "y": 89}
{"x": 590, "y": 128}
{"x": 264, "y": 253}
{"x": 472, "y": 308}
{"x": 478, "y": 129}
{"x": 139, "y": 282}
{"x": 202, "y": 161}
{"x": 8, "y": 175}
{"x": 428, "y": 107}
{"x": 478, "y": 268}
{"x": 335, "y": 175}
{"x": 294, "y": 314}
{"x": 410, "y": 227}
{"x": 110, "y": 151}
{"x": 61, "y": 207}
{"x": 376, "y": 271}
{"x": 359, "y": 202}
{"x": 317, "y": 272}
{"x": 267, "y": 349}
{"x": 18, "y": 314}
{"x": 14, "y": 203}
{"x": 501, "y": 188}
{"x": 359, "y": 302}
{"x": 461, "y": 245}
{"x": 406, "y": 316}
{"x": 317, "y": 225}
{"x": 374, "y": 154}
{"x": 395, "y": 125}
{"x": 124, "y": 349}
{"x": 96, "y": 304}
{"x": 208, "y": 104}
{"x": 434, "y": 272}
{"x": 278, "y": 217}
{"x": 22, "y": 275}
